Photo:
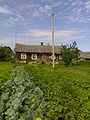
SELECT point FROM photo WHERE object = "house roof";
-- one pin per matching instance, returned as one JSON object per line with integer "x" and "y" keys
{"x": 37, "y": 48}
{"x": 85, "y": 55}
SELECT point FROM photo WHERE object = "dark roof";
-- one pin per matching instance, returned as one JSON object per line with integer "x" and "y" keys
{"x": 37, "y": 48}
{"x": 85, "y": 55}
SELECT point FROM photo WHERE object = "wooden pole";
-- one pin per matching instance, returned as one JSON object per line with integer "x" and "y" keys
{"x": 53, "y": 41}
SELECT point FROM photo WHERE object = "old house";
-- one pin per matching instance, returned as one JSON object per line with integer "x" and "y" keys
{"x": 84, "y": 56}
{"x": 36, "y": 53}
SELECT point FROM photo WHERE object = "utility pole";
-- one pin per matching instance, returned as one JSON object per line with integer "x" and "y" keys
{"x": 53, "y": 41}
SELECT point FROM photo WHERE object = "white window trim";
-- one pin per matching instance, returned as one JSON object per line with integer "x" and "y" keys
{"x": 23, "y": 56}
{"x": 34, "y": 56}
{"x": 51, "y": 57}
{"x": 60, "y": 57}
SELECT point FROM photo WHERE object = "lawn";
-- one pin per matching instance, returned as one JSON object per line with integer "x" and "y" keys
{"x": 66, "y": 89}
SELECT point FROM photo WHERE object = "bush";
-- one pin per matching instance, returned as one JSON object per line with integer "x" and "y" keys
{"x": 6, "y": 53}
{"x": 12, "y": 60}
{"x": 69, "y": 52}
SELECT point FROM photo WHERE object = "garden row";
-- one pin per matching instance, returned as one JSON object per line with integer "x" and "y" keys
{"x": 21, "y": 99}
{"x": 66, "y": 91}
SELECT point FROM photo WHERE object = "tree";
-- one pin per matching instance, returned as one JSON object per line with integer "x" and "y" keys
{"x": 69, "y": 52}
{"x": 5, "y": 53}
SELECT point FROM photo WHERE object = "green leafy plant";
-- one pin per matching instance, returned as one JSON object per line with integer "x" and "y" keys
{"x": 5, "y": 70}
{"x": 21, "y": 98}
{"x": 69, "y": 52}
{"x": 6, "y": 53}
{"x": 66, "y": 91}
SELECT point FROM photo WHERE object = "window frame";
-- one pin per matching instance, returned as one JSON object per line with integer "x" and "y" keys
{"x": 60, "y": 58}
{"x": 34, "y": 57}
{"x": 23, "y": 56}
{"x": 51, "y": 57}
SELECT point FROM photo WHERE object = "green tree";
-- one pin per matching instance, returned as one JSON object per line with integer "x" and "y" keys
{"x": 6, "y": 53}
{"x": 69, "y": 52}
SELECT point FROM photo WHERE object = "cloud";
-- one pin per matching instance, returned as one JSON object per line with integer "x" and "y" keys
{"x": 7, "y": 42}
{"x": 45, "y": 10}
{"x": 35, "y": 36}
{"x": 56, "y": 4}
{"x": 76, "y": 12}
{"x": 87, "y": 6}
{"x": 5, "y": 10}
{"x": 42, "y": 10}
{"x": 47, "y": 34}
{"x": 77, "y": 3}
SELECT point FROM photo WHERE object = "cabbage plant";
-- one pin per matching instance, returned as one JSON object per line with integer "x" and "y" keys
{"x": 21, "y": 100}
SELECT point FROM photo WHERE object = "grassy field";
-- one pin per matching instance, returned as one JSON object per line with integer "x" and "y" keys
{"x": 66, "y": 89}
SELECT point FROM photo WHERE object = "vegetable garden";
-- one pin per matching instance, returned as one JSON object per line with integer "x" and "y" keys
{"x": 39, "y": 92}
{"x": 5, "y": 70}
{"x": 66, "y": 90}
{"x": 21, "y": 99}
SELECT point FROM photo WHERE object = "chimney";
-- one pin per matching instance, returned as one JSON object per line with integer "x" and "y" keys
{"x": 41, "y": 43}
{"x": 48, "y": 44}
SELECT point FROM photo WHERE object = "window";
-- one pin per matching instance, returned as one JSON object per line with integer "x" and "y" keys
{"x": 23, "y": 56}
{"x": 60, "y": 57}
{"x": 51, "y": 57}
{"x": 34, "y": 56}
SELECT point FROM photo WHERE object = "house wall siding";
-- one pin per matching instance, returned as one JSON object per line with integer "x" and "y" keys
{"x": 40, "y": 57}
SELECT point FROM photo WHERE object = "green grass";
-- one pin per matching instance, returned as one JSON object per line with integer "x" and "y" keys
{"x": 5, "y": 70}
{"x": 66, "y": 90}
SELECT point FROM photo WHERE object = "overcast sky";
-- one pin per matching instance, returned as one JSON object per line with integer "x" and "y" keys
{"x": 31, "y": 19}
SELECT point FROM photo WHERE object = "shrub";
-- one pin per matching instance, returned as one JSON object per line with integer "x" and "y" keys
{"x": 69, "y": 52}
{"x": 6, "y": 53}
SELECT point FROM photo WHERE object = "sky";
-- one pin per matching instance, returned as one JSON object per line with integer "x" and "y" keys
{"x": 32, "y": 23}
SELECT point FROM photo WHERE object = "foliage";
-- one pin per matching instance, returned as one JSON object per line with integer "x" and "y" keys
{"x": 21, "y": 100}
{"x": 6, "y": 53}
{"x": 69, "y": 52}
{"x": 66, "y": 91}
{"x": 5, "y": 70}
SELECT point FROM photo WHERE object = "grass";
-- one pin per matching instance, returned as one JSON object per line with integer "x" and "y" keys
{"x": 5, "y": 70}
{"x": 66, "y": 89}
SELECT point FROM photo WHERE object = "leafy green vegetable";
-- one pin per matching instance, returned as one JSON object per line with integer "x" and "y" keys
{"x": 21, "y": 99}
{"x": 5, "y": 70}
